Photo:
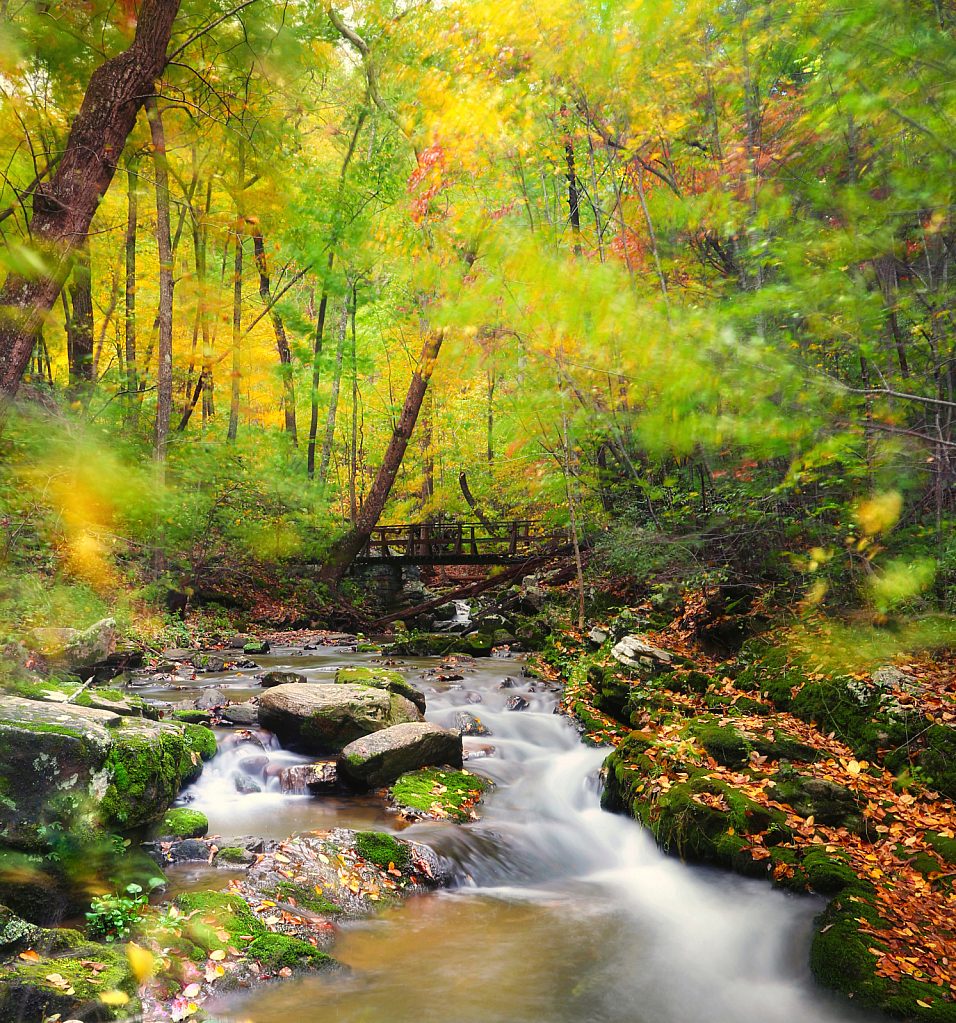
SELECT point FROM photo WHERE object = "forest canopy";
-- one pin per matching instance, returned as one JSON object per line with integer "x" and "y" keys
{"x": 678, "y": 275}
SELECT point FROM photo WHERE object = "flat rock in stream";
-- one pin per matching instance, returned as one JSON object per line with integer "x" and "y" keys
{"x": 322, "y": 718}
{"x": 381, "y": 758}
{"x": 281, "y": 678}
{"x": 243, "y": 714}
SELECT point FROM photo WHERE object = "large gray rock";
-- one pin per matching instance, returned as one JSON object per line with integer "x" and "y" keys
{"x": 51, "y": 755}
{"x": 381, "y": 678}
{"x": 631, "y": 649}
{"x": 381, "y": 758}
{"x": 281, "y": 678}
{"x": 84, "y": 767}
{"x": 328, "y": 717}
{"x": 75, "y": 648}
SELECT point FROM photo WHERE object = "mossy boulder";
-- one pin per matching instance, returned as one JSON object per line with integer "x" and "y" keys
{"x": 148, "y": 765}
{"x": 829, "y": 804}
{"x": 382, "y": 678}
{"x": 322, "y": 718}
{"x": 209, "y": 913}
{"x": 27, "y": 991}
{"x": 52, "y": 766}
{"x": 440, "y": 792}
{"x": 278, "y": 951}
{"x": 380, "y": 758}
{"x": 184, "y": 823}
{"x": 732, "y": 747}
{"x": 382, "y": 849}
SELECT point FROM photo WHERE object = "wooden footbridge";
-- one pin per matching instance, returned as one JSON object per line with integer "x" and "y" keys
{"x": 459, "y": 543}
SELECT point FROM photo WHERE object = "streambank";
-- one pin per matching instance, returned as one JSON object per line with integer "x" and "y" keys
{"x": 819, "y": 783}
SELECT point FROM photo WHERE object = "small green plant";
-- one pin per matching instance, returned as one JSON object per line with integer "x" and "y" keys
{"x": 113, "y": 916}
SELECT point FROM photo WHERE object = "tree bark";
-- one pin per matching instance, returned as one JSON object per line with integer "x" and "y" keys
{"x": 282, "y": 343}
{"x": 316, "y": 363}
{"x": 353, "y": 456}
{"x": 349, "y": 546}
{"x": 64, "y": 208}
{"x": 236, "y": 336}
{"x": 334, "y": 397}
{"x": 80, "y": 322}
{"x": 131, "y": 224}
{"x": 574, "y": 207}
{"x": 164, "y": 370}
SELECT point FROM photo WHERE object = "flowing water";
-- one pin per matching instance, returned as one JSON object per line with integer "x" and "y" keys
{"x": 564, "y": 913}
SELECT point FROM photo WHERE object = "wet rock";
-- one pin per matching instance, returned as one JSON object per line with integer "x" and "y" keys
{"x": 532, "y": 599}
{"x": 478, "y": 751}
{"x": 253, "y": 765}
{"x": 473, "y": 697}
{"x": 382, "y": 757}
{"x": 517, "y": 703}
{"x": 191, "y": 850}
{"x": 239, "y": 640}
{"x": 329, "y": 717}
{"x": 506, "y": 683}
{"x": 381, "y": 678}
{"x": 210, "y": 699}
{"x": 178, "y": 654}
{"x": 468, "y": 724}
{"x": 281, "y": 678}
{"x": 245, "y": 785}
{"x": 244, "y": 662}
{"x": 256, "y": 646}
{"x": 631, "y": 649}
{"x": 234, "y": 856}
{"x": 322, "y": 776}
{"x": 209, "y": 662}
{"x": 17, "y": 934}
{"x": 241, "y": 714}
{"x": 445, "y": 612}
{"x": 241, "y": 737}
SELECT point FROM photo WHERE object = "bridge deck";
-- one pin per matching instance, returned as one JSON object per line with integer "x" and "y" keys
{"x": 456, "y": 543}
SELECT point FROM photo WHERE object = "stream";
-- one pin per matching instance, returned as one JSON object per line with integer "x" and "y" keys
{"x": 564, "y": 913}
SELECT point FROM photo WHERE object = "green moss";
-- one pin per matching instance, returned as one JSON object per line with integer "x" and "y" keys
{"x": 231, "y": 854}
{"x": 381, "y": 849}
{"x": 184, "y": 823}
{"x": 201, "y": 740}
{"x": 417, "y": 790}
{"x": 280, "y": 950}
{"x": 381, "y": 678}
{"x": 226, "y": 911}
{"x": 732, "y": 749}
{"x": 945, "y": 847}
{"x": 192, "y": 717}
{"x": 25, "y": 986}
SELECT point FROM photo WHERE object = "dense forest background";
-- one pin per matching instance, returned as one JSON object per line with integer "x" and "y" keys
{"x": 681, "y": 276}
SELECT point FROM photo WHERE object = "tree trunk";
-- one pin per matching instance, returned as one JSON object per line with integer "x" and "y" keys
{"x": 574, "y": 208}
{"x": 491, "y": 415}
{"x": 353, "y": 457}
{"x": 334, "y": 398}
{"x": 80, "y": 322}
{"x": 63, "y": 208}
{"x": 282, "y": 343}
{"x": 131, "y": 223}
{"x": 349, "y": 546}
{"x": 164, "y": 244}
{"x": 236, "y": 335}
{"x": 316, "y": 362}
{"x": 428, "y": 454}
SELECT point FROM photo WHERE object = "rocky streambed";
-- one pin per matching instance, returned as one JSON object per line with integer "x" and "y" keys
{"x": 376, "y": 831}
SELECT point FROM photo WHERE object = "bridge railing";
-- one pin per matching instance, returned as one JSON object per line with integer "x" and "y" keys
{"x": 446, "y": 540}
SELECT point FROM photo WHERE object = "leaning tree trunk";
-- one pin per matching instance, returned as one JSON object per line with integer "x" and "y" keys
{"x": 164, "y": 371}
{"x": 63, "y": 209}
{"x": 349, "y": 546}
{"x": 282, "y": 342}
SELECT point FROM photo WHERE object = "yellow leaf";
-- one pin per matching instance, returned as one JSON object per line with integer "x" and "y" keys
{"x": 925, "y": 1005}
{"x": 140, "y": 961}
{"x": 218, "y": 955}
{"x": 30, "y": 956}
{"x": 191, "y": 990}
{"x": 114, "y": 997}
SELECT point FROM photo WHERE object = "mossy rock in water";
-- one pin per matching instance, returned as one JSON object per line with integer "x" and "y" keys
{"x": 184, "y": 823}
{"x": 432, "y": 789}
{"x": 382, "y": 678}
{"x": 148, "y": 765}
{"x": 307, "y": 897}
{"x": 227, "y": 911}
{"x": 381, "y": 849}
{"x": 478, "y": 644}
{"x": 27, "y": 993}
{"x": 278, "y": 951}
